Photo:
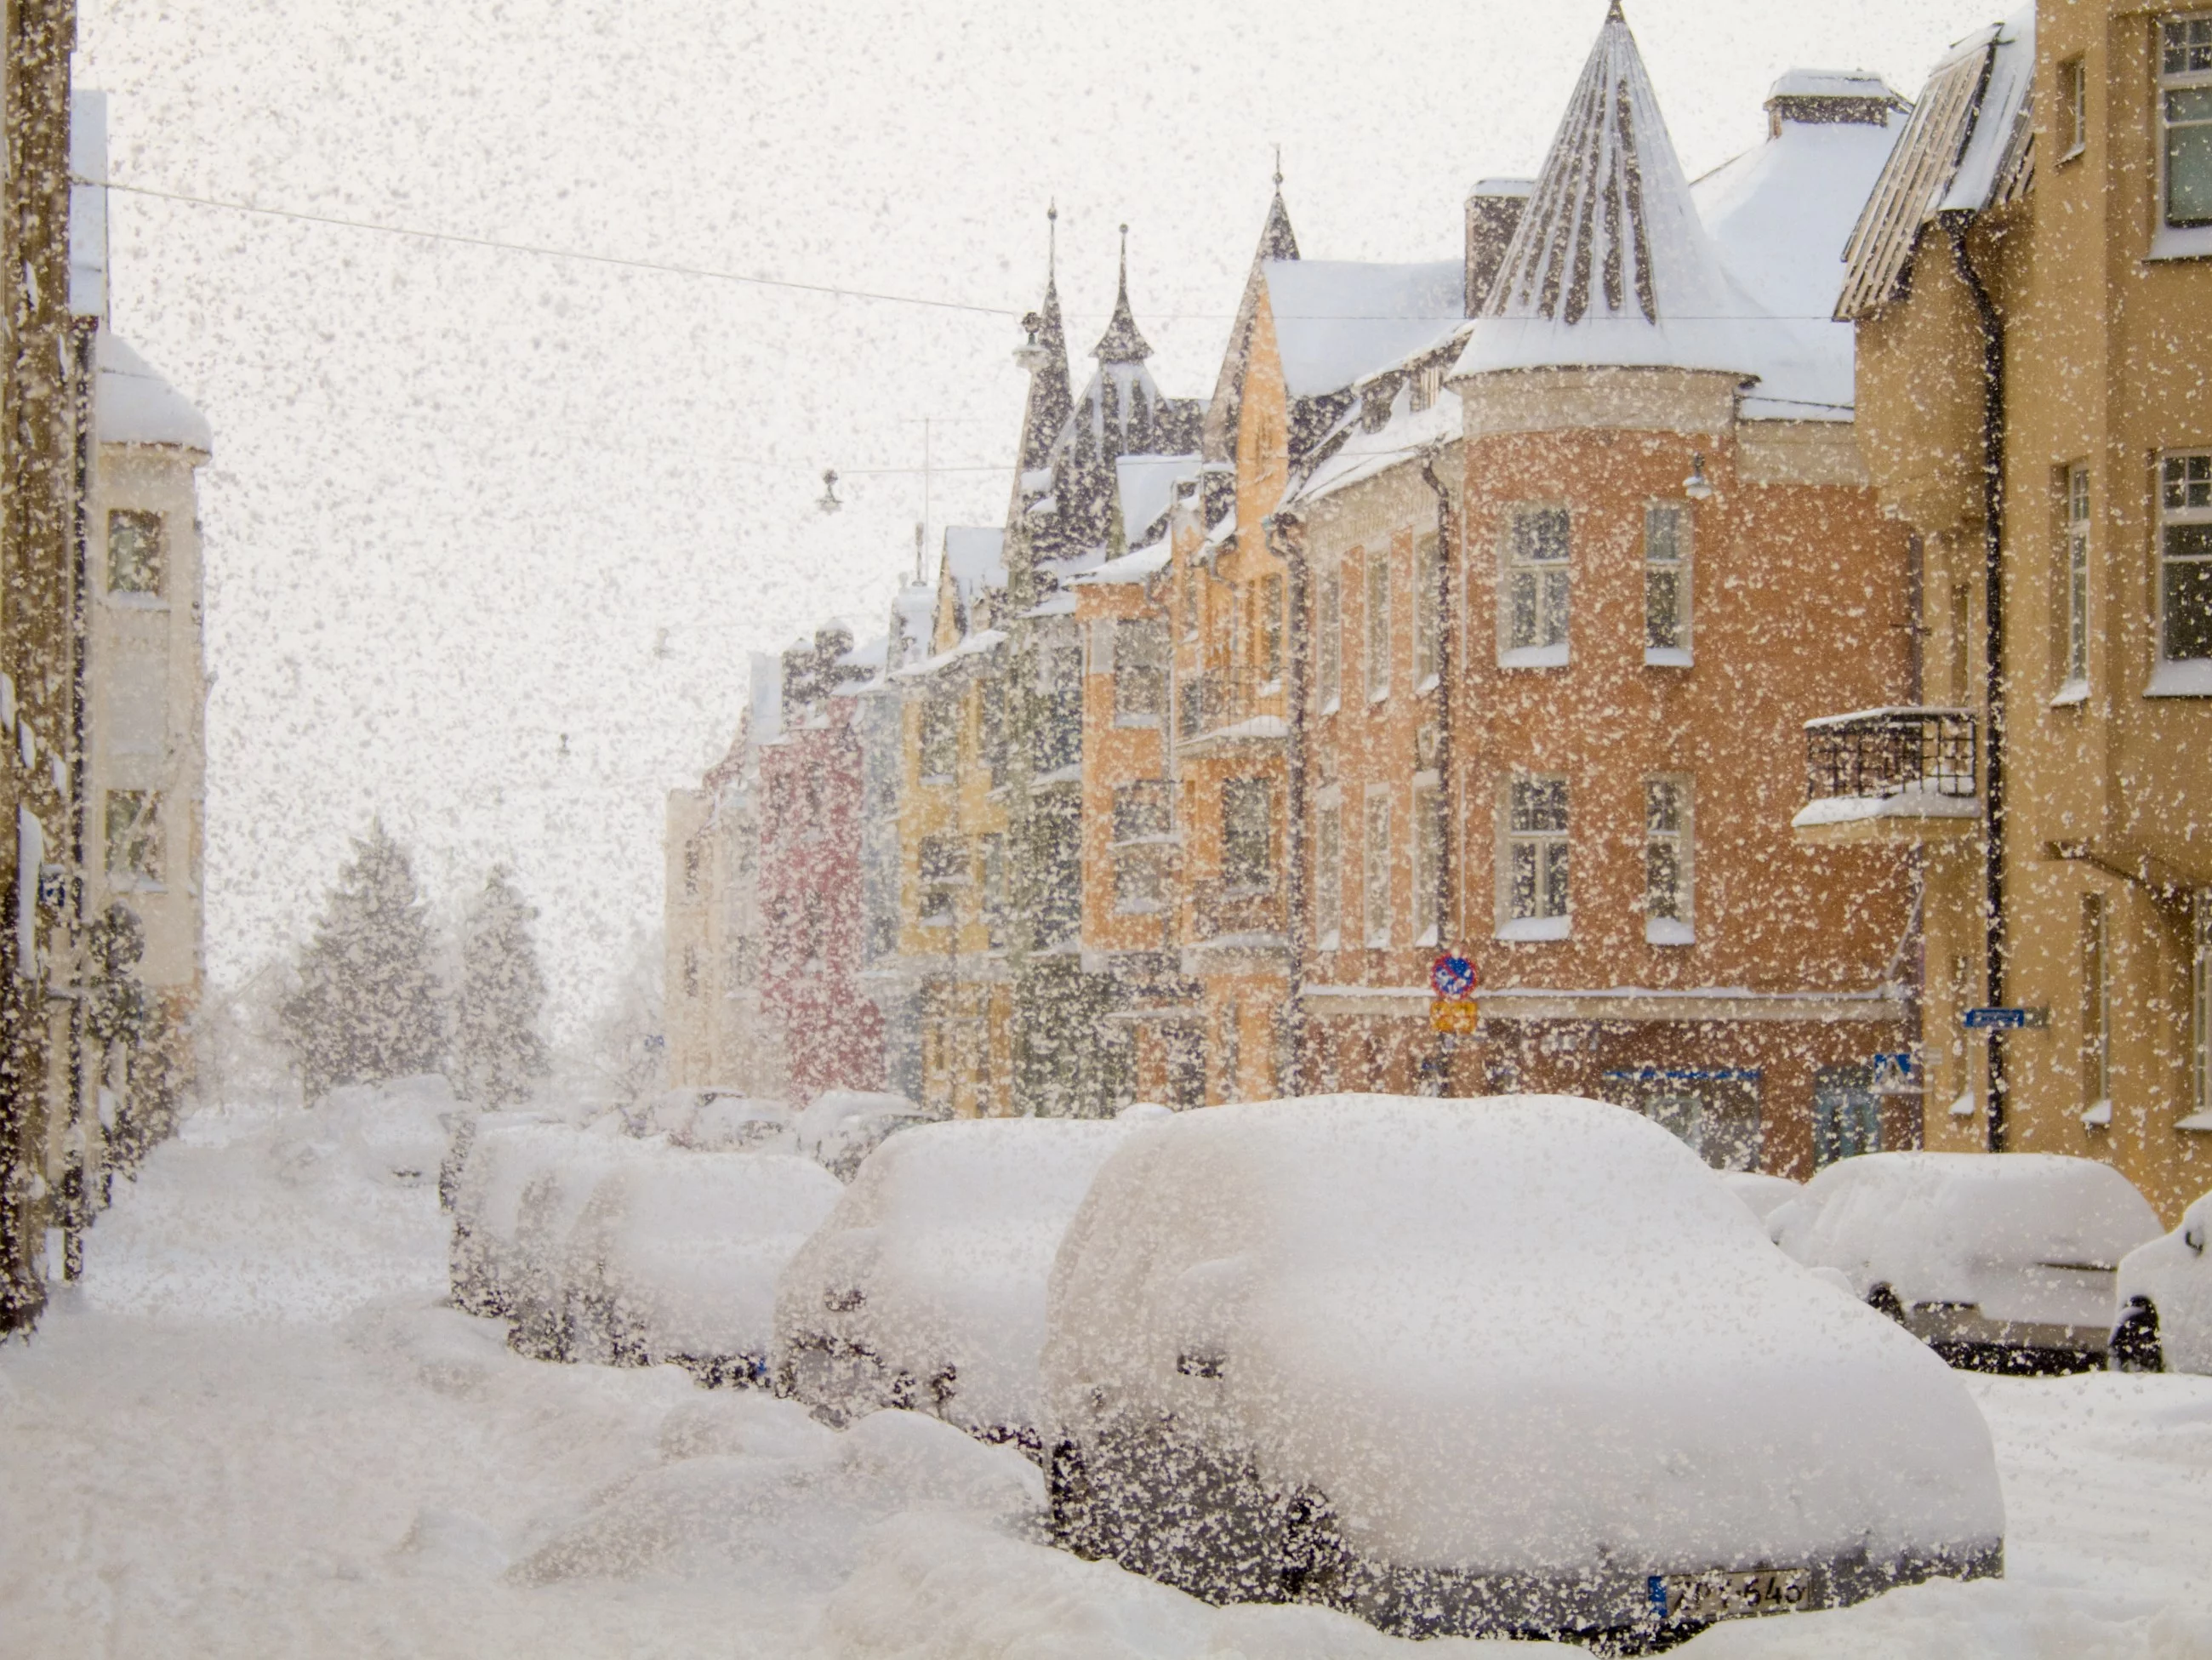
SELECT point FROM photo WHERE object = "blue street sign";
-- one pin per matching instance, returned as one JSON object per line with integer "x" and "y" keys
{"x": 2006, "y": 1020}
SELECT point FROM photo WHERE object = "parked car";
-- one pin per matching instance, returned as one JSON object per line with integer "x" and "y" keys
{"x": 840, "y": 1127}
{"x": 926, "y": 1288}
{"x": 1761, "y": 1195}
{"x": 1387, "y": 1354}
{"x": 676, "y": 1257}
{"x": 2000, "y": 1263}
{"x": 500, "y": 1153}
{"x": 2164, "y": 1300}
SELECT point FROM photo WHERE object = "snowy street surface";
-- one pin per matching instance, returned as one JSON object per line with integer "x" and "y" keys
{"x": 254, "y": 1430}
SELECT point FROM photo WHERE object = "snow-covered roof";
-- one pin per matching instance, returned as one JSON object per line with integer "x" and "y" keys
{"x": 912, "y": 612}
{"x": 975, "y": 645}
{"x": 871, "y": 654}
{"x": 1133, "y": 567}
{"x": 135, "y": 406}
{"x": 1969, "y": 146}
{"x": 1147, "y": 484}
{"x": 975, "y": 558}
{"x": 1362, "y": 455}
{"x": 1829, "y": 83}
{"x": 1337, "y": 321}
{"x": 1611, "y": 263}
{"x": 87, "y": 226}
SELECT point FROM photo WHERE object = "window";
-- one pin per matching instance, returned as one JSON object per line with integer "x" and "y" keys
{"x": 2096, "y": 1007}
{"x": 992, "y": 853}
{"x": 2200, "y": 1048}
{"x": 994, "y": 728}
{"x": 1140, "y": 672}
{"x": 2075, "y": 610}
{"x": 1428, "y": 866}
{"x": 134, "y": 838}
{"x": 1143, "y": 811}
{"x": 137, "y": 552}
{"x": 1667, "y": 584}
{"x": 1534, "y": 868}
{"x": 1328, "y": 877}
{"x": 1533, "y": 620}
{"x": 690, "y": 972}
{"x": 2184, "y": 587}
{"x": 1056, "y": 875}
{"x": 1271, "y": 628}
{"x": 2185, "y": 114}
{"x": 1248, "y": 833}
{"x": 1330, "y": 670}
{"x": 1962, "y": 642}
{"x": 1667, "y": 859}
{"x": 1428, "y": 610}
{"x": 1374, "y": 854}
{"x": 2074, "y": 107}
{"x": 940, "y": 735}
{"x": 1427, "y": 383}
{"x": 944, "y": 868}
{"x": 1378, "y": 625}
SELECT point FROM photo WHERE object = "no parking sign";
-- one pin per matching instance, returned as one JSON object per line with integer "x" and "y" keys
{"x": 1453, "y": 1009}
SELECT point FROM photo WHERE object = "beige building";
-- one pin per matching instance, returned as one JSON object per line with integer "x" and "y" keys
{"x": 2033, "y": 300}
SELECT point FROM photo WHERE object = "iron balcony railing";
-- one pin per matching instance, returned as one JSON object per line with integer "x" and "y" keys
{"x": 1875, "y": 754}
{"x": 1221, "y": 698}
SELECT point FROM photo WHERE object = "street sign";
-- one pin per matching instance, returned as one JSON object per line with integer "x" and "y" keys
{"x": 1455, "y": 1016}
{"x": 2007, "y": 1019}
{"x": 1452, "y": 978}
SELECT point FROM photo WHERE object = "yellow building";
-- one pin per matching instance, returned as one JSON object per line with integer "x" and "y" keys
{"x": 953, "y": 833}
{"x": 2033, "y": 303}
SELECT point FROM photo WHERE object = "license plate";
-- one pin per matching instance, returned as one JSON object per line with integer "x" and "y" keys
{"x": 1703, "y": 1597}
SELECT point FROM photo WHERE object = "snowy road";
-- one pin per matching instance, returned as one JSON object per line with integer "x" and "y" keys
{"x": 252, "y": 1431}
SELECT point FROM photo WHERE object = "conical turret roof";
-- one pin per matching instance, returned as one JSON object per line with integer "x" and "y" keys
{"x": 1611, "y": 263}
{"x": 1121, "y": 343}
{"x": 1050, "y": 395}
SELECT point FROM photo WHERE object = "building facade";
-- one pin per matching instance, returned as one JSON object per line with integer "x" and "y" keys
{"x": 2031, "y": 296}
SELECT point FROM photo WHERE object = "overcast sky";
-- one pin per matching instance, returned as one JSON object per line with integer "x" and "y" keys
{"x": 465, "y": 501}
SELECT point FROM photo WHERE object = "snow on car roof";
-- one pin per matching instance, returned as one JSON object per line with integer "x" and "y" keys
{"x": 1524, "y": 1333}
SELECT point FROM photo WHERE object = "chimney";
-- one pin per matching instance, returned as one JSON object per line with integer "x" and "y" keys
{"x": 1827, "y": 98}
{"x": 1493, "y": 213}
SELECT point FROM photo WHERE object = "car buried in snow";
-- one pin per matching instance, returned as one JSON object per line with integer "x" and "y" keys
{"x": 2000, "y": 1262}
{"x": 926, "y": 1288}
{"x": 2164, "y": 1300}
{"x": 1388, "y": 1355}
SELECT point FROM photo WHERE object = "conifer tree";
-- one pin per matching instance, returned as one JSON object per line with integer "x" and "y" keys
{"x": 366, "y": 1007}
{"x": 497, "y": 1049}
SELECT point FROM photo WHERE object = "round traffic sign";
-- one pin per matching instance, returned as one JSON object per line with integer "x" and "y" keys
{"x": 1452, "y": 977}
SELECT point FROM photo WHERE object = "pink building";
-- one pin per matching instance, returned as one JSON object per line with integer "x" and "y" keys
{"x": 813, "y": 941}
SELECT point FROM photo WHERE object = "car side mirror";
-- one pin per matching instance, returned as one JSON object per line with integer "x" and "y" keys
{"x": 2192, "y": 1235}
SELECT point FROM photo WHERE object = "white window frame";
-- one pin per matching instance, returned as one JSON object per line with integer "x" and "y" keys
{"x": 1375, "y": 920}
{"x": 2185, "y": 502}
{"x": 1678, "y": 841}
{"x": 1550, "y": 583}
{"x": 1675, "y": 567}
{"x": 1328, "y": 669}
{"x": 1428, "y": 847}
{"x": 1549, "y": 912}
{"x": 1375, "y": 581}
{"x": 1265, "y": 877}
{"x": 2193, "y": 73}
{"x": 1133, "y": 640}
{"x": 2073, "y": 80}
{"x": 2073, "y": 682}
{"x": 1328, "y": 876}
{"x": 1428, "y": 610}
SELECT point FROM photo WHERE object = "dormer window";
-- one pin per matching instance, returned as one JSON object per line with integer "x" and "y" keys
{"x": 1426, "y": 384}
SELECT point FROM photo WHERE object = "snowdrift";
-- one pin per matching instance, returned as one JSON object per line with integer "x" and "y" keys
{"x": 840, "y": 1127}
{"x": 1480, "y": 1366}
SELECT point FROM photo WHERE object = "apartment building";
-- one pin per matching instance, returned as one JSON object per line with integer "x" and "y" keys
{"x": 2032, "y": 296}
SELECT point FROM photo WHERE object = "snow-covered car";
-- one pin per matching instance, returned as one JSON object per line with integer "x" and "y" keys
{"x": 1762, "y": 1194}
{"x": 546, "y": 1256}
{"x": 496, "y": 1193}
{"x": 926, "y": 1288}
{"x": 2000, "y": 1263}
{"x": 737, "y": 1123}
{"x": 677, "y": 1255}
{"x": 840, "y": 1127}
{"x": 2164, "y": 1300}
{"x": 1386, "y": 1354}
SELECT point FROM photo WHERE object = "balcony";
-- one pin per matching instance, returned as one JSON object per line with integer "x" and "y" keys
{"x": 1228, "y": 706}
{"x": 1899, "y": 775}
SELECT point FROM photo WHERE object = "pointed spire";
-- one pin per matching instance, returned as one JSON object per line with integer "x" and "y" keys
{"x": 1045, "y": 356}
{"x": 1122, "y": 344}
{"x": 1611, "y": 232}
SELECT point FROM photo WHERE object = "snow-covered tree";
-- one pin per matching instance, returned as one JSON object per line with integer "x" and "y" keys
{"x": 497, "y": 1047}
{"x": 367, "y": 1006}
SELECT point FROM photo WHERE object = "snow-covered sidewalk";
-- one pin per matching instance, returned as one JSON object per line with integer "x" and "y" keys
{"x": 253, "y": 1430}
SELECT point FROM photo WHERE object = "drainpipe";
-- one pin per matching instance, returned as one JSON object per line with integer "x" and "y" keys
{"x": 1993, "y": 456}
{"x": 1284, "y": 540}
{"x": 1447, "y": 793}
